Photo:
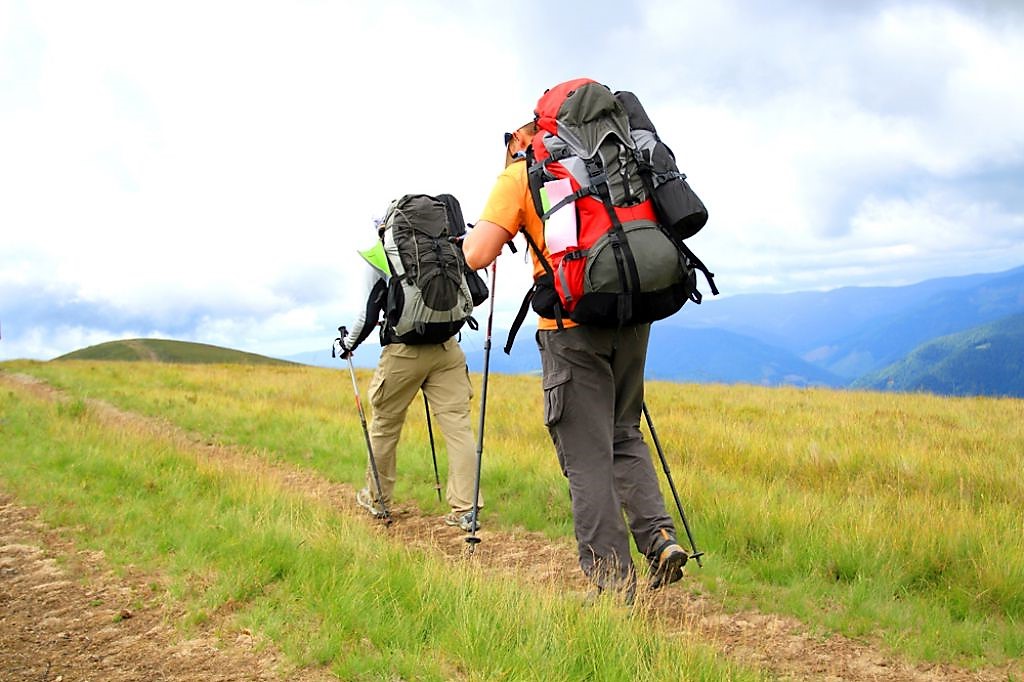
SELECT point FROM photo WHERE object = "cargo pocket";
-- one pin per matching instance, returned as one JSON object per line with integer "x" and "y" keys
{"x": 554, "y": 395}
{"x": 377, "y": 388}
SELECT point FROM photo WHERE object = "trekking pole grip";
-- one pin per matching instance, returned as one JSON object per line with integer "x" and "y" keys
{"x": 339, "y": 342}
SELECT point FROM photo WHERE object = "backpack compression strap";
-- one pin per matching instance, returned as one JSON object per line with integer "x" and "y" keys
{"x": 697, "y": 264}
{"x": 617, "y": 237}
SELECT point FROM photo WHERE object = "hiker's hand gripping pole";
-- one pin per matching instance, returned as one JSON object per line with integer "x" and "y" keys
{"x": 671, "y": 484}
{"x": 386, "y": 513}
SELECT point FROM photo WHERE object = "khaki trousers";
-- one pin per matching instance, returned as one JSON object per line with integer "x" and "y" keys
{"x": 441, "y": 371}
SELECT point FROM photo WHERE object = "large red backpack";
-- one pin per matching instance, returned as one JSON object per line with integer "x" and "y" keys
{"x": 615, "y": 210}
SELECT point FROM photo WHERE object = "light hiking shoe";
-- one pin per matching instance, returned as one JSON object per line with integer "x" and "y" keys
{"x": 667, "y": 566}
{"x": 365, "y": 500}
{"x": 463, "y": 520}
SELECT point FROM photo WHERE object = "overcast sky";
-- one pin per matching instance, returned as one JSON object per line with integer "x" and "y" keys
{"x": 207, "y": 170}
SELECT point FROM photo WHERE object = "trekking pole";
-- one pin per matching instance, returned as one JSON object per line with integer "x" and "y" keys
{"x": 433, "y": 452}
{"x": 472, "y": 539}
{"x": 386, "y": 515}
{"x": 671, "y": 484}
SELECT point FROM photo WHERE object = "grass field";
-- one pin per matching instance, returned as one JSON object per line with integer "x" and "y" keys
{"x": 891, "y": 518}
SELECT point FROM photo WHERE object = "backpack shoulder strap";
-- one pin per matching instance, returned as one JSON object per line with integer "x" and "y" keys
{"x": 534, "y": 180}
{"x": 528, "y": 298}
{"x": 520, "y": 318}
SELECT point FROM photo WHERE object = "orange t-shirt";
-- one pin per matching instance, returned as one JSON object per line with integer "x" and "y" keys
{"x": 510, "y": 206}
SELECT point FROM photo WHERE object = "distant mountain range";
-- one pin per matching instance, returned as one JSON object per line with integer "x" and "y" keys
{"x": 855, "y": 330}
{"x": 985, "y": 360}
{"x": 853, "y": 336}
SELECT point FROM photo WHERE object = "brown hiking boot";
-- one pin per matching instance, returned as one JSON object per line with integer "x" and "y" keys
{"x": 667, "y": 564}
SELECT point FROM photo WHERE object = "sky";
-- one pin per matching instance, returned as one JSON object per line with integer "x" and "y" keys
{"x": 206, "y": 171}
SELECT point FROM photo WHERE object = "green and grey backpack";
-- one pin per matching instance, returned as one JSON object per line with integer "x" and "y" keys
{"x": 428, "y": 298}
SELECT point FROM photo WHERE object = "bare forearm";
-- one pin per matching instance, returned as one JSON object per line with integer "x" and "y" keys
{"x": 483, "y": 244}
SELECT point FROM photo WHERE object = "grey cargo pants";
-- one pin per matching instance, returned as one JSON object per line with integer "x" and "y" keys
{"x": 593, "y": 395}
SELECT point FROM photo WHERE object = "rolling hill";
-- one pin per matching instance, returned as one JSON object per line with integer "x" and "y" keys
{"x": 166, "y": 350}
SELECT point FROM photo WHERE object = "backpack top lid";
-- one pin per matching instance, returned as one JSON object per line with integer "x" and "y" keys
{"x": 568, "y": 110}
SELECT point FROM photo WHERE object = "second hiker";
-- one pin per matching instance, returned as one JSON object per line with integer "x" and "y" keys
{"x": 416, "y": 287}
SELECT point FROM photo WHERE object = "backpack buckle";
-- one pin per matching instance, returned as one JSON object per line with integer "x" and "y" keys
{"x": 595, "y": 171}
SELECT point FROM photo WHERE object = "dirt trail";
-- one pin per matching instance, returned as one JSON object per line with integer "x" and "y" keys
{"x": 72, "y": 616}
{"x": 144, "y": 352}
{"x": 64, "y": 615}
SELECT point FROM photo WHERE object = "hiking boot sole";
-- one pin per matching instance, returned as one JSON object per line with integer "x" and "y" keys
{"x": 670, "y": 569}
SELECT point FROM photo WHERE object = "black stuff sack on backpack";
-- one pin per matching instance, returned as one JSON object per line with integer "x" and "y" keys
{"x": 457, "y": 225}
{"x": 679, "y": 209}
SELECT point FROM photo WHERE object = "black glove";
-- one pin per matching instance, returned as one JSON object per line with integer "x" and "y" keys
{"x": 340, "y": 349}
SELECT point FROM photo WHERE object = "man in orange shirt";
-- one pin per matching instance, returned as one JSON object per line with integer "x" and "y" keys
{"x": 593, "y": 395}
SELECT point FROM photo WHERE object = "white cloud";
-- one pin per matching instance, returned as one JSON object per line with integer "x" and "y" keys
{"x": 794, "y": 127}
{"x": 200, "y": 152}
{"x": 216, "y": 164}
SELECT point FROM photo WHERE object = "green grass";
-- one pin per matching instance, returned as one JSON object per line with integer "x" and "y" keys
{"x": 324, "y": 587}
{"x": 886, "y": 516}
{"x": 891, "y": 516}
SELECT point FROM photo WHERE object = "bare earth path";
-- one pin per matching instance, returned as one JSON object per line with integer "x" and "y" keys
{"x": 75, "y": 620}
{"x": 144, "y": 352}
{"x": 65, "y": 616}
